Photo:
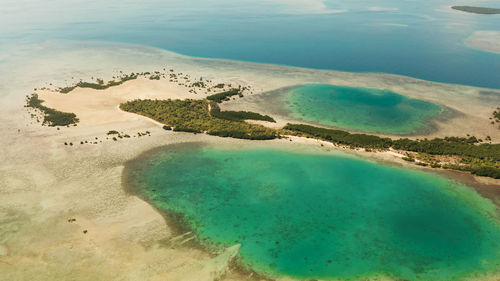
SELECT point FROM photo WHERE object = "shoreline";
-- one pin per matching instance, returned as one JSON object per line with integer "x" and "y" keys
{"x": 487, "y": 187}
{"x": 318, "y": 69}
{"x": 56, "y": 96}
{"x": 278, "y": 96}
{"x": 46, "y": 183}
{"x": 254, "y": 64}
{"x": 200, "y": 120}
{"x": 176, "y": 221}
{"x": 300, "y": 146}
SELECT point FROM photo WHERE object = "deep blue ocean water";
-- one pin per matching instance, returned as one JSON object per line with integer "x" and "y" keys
{"x": 422, "y": 39}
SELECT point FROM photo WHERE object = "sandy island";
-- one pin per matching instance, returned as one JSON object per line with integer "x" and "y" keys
{"x": 64, "y": 214}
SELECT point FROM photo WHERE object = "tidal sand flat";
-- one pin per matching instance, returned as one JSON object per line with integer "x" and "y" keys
{"x": 45, "y": 184}
{"x": 312, "y": 215}
{"x": 360, "y": 109}
{"x": 64, "y": 211}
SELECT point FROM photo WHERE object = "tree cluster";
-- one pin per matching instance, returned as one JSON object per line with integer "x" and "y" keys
{"x": 481, "y": 159}
{"x": 194, "y": 116}
{"x": 100, "y": 85}
{"x": 224, "y": 95}
{"x": 51, "y": 117}
{"x": 238, "y": 115}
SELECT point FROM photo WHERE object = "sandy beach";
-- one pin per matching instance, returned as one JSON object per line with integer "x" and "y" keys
{"x": 64, "y": 214}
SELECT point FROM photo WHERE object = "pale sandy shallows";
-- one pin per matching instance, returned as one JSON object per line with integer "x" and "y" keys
{"x": 45, "y": 183}
{"x": 485, "y": 40}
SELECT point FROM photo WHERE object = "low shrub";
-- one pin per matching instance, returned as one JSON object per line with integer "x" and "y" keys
{"x": 51, "y": 116}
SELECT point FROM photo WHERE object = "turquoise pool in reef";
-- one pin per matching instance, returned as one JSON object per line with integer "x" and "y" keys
{"x": 322, "y": 216}
{"x": 361, "y": 109}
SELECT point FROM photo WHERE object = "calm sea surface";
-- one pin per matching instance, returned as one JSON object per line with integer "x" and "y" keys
{"x": 323, "y": 216}
{"x": 303, "y": 215}
{"x": 360, "y": 109}
{"x": 422, "y": 39}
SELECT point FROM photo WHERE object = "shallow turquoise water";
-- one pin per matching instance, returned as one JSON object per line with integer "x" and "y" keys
{"x": 361, "y": 109}
{"x": 323, "y": 216}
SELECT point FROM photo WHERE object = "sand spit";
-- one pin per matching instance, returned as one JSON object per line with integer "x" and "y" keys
{"x": 64, "y": 214}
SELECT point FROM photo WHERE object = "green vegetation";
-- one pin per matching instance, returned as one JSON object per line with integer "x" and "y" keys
{"x": 481, "y": 159}
{"x": 439, "y": 146}
{"x": 187, "y": 130}
{"x": 447, "y": 146}
{"x": 469, "y": 140}
{"x": 116, "y": 135}
{"x": 338, "y": 136}
{"x": 477, "y": 10}
{"x": 238, "y": 115}
{"x": 205, "y": 116}
{"x": 408, "y": 158}
{"x": 496, "y": 117}
{"x": 194, "y": 116}
{"x": 51, "y": 116}
{"x": 486, "y": 171}
{"x": 68, "y": 89}
{"x": 199, "y": 84}
{"x": 496, "y": 114}
{"x": 100, "y": 85}
{"x": 224, "y": 95}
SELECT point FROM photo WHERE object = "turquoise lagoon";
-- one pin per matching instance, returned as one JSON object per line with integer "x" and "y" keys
{"x": 326, "y": 216}
{"x": 361, "y": 109}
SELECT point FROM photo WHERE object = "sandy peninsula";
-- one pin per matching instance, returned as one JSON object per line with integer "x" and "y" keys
{"x": 64, "y": 214}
